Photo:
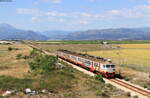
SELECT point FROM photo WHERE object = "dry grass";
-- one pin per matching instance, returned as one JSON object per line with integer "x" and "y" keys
{"x": 9, "y": 65}
{"x": 72, "y": 47}
{"x": 135, "y": 46}
{"x": 135, "y": 58}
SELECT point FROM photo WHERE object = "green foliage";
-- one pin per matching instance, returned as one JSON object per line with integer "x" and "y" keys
{"x": 96, "y": 42}
{"x": 18, "y": 56}
{"x": 9, "y": 48}
{"x": 35, "y": 52}
{"x": 9, "y": 83}
{"x": 126, "y": 78}
{"x": 135, "y": 96}
{"x": 44, "y": 62}
{"x": 128, "y": 94}
{"x": 3, "y": 96}
{"x": 99, "y": 78}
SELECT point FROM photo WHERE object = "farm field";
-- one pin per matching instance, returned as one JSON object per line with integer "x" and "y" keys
{"x": 71, "y": 47}
{"x": 135, "y": 46}
{"x": 135, "y": 56}
{"x": 9, "y": 65}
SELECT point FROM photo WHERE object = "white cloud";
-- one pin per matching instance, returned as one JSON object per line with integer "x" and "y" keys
{"x": 83, "y": 22}
{"x": 148, "y": 1}
{"x": 34, "y": 19}
{"x": 54, "y": 1}
{"x": 137, "y": 12}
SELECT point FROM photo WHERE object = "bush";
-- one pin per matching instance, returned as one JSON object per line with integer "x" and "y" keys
{"x": 35, "y": 53}
{"x": 44, "y": 62}
{"x": 25, "y": 57}
{"x": 10, "y": 49}
{"x": 128, "y": 94}
{"x": 99, "y": 78}
{"x": 18, "y": 56}
{"x": 135, "y": 96}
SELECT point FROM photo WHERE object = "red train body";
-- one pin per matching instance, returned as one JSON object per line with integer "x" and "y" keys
{"x": 99, "y": 65}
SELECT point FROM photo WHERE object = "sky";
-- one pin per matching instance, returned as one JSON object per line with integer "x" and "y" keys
{"x": 41, "y": 15}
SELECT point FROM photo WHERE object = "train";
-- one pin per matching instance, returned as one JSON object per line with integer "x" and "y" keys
{"x": 98, "y": 65}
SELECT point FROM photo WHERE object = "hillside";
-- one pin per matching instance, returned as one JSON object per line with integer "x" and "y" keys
{"x": 8, "y": 32}
{"x": 111, "y": 34}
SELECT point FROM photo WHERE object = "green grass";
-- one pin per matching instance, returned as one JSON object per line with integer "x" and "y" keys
{"x": 94, "y": 42}
{"x": 11, "y": 83}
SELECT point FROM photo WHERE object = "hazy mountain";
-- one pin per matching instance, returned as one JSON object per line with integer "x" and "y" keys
{"x": 56, "y": 34}
{"x": 8, "y": 32}
{"x": 111, "y": 34}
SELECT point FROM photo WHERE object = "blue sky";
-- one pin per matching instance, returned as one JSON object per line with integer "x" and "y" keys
{"x": 75, "y": 14}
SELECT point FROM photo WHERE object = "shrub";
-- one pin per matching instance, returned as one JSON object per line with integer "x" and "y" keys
{"x": 10, "y": 49}
{"x": 135, "y": 96}
{"x": 44, "y": 62}
{"x": 99, "y": 78}
{"x": 25, "y": 57}
{"x": 145, "y": 86}
{"x": 18, "y": 56}
{"x": 34, "y": 53}
{"x": 128, "y": 94}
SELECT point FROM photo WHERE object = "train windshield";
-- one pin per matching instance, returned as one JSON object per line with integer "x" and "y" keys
{"x": 107, "y": 66}
{"x": 110, "y": 66}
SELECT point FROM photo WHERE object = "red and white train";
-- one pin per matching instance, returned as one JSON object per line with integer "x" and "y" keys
{"x": 96, "y": 64}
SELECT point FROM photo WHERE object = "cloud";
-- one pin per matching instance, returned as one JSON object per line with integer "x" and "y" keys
{"x": 137, "y": 12}
{"x": 84, "y": 22}
{"x": 34, "y": 18}
{"x": 148, "y": 1}
{"x": 54, "y": 1}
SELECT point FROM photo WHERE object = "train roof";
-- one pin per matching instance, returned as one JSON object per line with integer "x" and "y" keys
{"x": 94, "y": 58}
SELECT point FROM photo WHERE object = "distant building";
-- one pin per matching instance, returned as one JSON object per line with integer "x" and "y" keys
{"x": 104, "y": 42}
{"x": 6, "y": 42}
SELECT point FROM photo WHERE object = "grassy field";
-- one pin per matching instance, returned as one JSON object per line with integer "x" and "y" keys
{"x": 135, "y": 56}
{"x": 138, "y": 59}
{"x": 93, "y": 42}
{"x": 71, "y": 47}
{"x": 9, "y": 65}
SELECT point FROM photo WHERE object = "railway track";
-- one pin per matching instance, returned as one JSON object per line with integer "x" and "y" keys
{"x": 132, "y": 87}
{"x": 145, "y": 93}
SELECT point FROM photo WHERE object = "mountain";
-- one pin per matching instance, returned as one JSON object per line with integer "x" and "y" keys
{"x": 111, "y": 34}
{"x": 8, "y": 32}
{"x": 56, "y": 34}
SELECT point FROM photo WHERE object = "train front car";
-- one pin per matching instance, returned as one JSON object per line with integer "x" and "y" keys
{"x": 109, "y": 70}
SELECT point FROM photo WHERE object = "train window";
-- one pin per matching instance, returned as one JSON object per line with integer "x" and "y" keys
{"x": 112, "y": 66}
{"x": 95, "y": 64}
{"x": 103, "y": 66}
{"x": 88, "y": 62}
{"x": 107, "y": 66}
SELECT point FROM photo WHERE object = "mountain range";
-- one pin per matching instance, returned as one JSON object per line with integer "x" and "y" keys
{"x": 8, "y": 32}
